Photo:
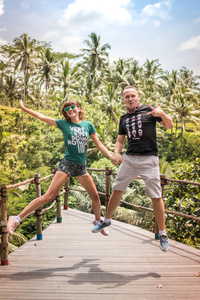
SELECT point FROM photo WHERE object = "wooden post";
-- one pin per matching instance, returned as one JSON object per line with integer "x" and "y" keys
{"x": 39, "y": 209}
{"x": 58, "y": 201}
{"x": 162, "y": 183}
{"x": 107, "y": 186}
{"x": 4, "y": 233}
{"x": 66, "y": 194}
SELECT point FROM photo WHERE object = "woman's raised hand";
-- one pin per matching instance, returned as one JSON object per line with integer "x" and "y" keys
{"x": 21, "y": 104}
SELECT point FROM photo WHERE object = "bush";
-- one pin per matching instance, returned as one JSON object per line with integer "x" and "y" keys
{"x": 185, "y": 198}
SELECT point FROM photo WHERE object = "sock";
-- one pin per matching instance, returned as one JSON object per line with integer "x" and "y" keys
{"x": 106, "y": 220}
{"x": 97, "y": 222}
{"x": 18, "y": 219}
{"x": 162, "y": 232}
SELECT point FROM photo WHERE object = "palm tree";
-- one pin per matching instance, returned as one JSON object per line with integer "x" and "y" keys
{"x": 189, "y": 79}
{"x": 181, "y": 107}
{"x": 171, "y": 81}
{"x": 11, "y": 89}
{"x": 180, "y": 95}
{"x": 47, "y": 71}
{"x": 125, "y": 72}
{"x": 152, "y": 74}
{"x": 24, "y": 53}
{"x": 34, "y": 93}
{"x": 111, "y": 102}
{"x": 117, "y": 73}
{"x": 3, "y": 68}
{"x": 94, "y": 60}
{"x": 66, "y": 77}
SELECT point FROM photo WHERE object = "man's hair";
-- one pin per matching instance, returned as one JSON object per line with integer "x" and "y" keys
{"x": 130, "y": 87}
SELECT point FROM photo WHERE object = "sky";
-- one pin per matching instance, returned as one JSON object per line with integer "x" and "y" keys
{"x": 167, "y": 30}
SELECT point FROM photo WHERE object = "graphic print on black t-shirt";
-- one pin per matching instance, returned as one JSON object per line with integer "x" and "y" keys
{"x": 134, "y": 126}
{"x": 140, "y": 129}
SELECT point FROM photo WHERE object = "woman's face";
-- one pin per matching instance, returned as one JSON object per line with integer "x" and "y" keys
{"x": 72, "y": 110}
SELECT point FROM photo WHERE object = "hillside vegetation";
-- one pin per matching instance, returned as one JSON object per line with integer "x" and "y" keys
{"x": 44, "y": 79}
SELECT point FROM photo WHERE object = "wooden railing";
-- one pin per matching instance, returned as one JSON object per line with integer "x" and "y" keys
{"x": 37, "y": 180}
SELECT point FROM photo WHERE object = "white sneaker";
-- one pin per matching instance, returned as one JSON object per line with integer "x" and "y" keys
{"x": 103, "y": 231}
{"x": 164, "y": 244}
{"x": 12, "y": 225}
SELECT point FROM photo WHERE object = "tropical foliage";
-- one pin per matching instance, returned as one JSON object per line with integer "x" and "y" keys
{"x": 44, "y": 79}
{"x": 185, "y": 198}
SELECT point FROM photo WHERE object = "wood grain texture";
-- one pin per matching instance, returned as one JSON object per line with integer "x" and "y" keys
{"x": 73, "y": 263}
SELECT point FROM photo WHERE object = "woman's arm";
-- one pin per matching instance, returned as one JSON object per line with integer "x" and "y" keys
{"x": 100, "y": 146}
{"x": 37, "y": 115}
{"x": 115, "y": 160}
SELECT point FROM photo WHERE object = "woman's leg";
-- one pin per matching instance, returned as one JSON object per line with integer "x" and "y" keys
{"x": 56, "y": 184}
{"x": 88, "y": 184}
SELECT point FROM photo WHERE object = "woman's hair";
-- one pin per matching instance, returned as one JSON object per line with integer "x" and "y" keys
{"x": 69, "y": 103}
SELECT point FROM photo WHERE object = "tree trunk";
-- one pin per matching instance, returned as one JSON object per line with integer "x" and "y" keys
{"x": 181, "y": 137}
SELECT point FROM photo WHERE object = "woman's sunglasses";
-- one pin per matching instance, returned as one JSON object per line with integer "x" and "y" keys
{"x": 68, "y": 108}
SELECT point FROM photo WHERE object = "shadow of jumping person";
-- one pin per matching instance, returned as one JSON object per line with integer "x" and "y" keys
{"x": 102, "y": 277}
{"x": 95, "y": 275}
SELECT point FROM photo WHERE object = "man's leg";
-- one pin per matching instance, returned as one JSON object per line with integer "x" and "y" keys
{"x": 148, "y": 168}
{"x": 114, "y": 201}
{"x": 159, "y": 212}
{"x": 112, "y": 205}
{"x": 87, "y": 182}
{"x": 126, "y": 173}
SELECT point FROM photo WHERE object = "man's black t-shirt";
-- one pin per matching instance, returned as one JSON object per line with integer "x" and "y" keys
{"x": 140, "y": 129}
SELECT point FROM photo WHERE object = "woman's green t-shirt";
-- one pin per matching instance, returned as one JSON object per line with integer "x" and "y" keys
{"x": 76, "y": 138}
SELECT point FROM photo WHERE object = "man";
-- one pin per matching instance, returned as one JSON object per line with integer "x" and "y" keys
{"x": 141, "y": 158}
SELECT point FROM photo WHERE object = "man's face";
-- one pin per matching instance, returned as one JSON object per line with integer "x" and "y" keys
{"x": 131, "y": 98}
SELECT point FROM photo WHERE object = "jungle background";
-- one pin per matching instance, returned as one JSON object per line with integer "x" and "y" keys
{"x": 44, "y": 79}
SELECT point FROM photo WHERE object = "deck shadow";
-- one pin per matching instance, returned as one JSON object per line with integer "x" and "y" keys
{"x": 95, "y": 275}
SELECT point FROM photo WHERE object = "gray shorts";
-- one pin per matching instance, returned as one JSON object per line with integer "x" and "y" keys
{"x": 72, "y": 169}
{"x": 145, "y": 166}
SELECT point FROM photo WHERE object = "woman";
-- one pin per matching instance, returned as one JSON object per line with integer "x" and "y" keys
{"x": 76, "y": 133}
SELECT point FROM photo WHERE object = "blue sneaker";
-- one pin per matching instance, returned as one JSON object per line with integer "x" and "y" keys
{"x": 100, "y": 226}
{"x": 164, "y": 245}
{"x": 103, "y": 231}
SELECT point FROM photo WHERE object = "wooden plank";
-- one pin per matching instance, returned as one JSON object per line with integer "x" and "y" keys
{"x": 128, "y": 264}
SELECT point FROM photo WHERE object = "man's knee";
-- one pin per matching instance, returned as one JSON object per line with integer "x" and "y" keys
{"x": 156, "y": 199}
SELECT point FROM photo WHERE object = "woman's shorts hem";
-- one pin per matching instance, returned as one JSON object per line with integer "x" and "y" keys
{"x": 72, "y": 169}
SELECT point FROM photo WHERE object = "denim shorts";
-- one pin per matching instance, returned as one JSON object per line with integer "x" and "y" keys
{"x": 72, "y": 169}
{"x": 147, "y": 167}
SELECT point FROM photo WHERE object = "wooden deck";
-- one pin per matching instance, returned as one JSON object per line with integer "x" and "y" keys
{"x": 128, "y": 264}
